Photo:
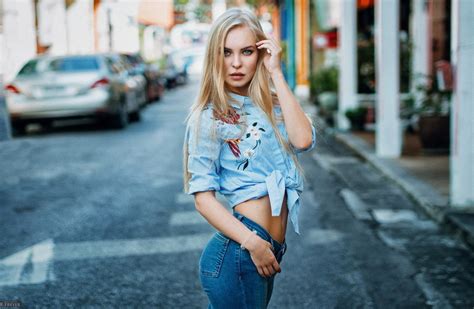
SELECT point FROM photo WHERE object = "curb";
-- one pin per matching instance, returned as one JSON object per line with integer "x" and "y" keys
{"x": 5, "y": 129}
{"x": 424, "y": 195}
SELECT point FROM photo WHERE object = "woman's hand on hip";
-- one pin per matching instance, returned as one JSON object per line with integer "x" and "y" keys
{"x": 262, "y": 256}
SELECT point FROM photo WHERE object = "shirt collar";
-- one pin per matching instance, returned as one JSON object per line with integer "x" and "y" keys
{"x": 240, "y": 100}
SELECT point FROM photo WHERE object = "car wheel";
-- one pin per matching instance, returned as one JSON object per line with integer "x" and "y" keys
{"x": 135, "y": 116}
{"x": 120, "y": 119}
{"x": 19, "y": 128}
{"x": 47, "y": 125}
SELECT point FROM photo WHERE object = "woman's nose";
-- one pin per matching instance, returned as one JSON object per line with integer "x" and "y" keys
{"x": 236, "y": 63}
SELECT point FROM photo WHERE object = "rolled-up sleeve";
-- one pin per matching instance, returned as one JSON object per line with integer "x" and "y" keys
{"x": 203, "y": 154}
{"x": 279, "y": 115}
{"x": 313, "y": 141}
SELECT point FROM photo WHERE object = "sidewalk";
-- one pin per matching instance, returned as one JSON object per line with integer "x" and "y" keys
{"x": 424, "y": 177}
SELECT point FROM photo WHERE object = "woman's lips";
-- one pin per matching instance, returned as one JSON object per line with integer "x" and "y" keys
{"x": 237, "y": 76}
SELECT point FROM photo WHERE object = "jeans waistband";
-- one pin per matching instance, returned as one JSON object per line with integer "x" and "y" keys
{"x": 278, "y": 248}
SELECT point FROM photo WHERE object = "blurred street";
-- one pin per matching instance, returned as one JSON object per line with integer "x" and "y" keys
{"x": 95, "y": 217}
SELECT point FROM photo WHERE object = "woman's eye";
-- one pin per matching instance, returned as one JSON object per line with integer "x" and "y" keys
{"x": 226, "y": 53}
{"x": 248, "y": 52}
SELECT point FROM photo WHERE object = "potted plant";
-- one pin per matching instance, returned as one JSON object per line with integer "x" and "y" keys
{"x": 357, "y": 117}
{"x": 433, "y": 115}
{"x": 324, "y": 87}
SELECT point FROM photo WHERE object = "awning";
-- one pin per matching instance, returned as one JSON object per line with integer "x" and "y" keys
{"x": 156, "y": 13}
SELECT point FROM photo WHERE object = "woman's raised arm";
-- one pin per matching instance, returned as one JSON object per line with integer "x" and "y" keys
{"x": 297, "y": 124}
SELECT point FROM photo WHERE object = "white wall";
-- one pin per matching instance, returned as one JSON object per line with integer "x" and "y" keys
{"x": 125, "y": 34}
{"x": 80, "y": 30}
{"x": 52, "y": 25}
{"x": 18, "y": 35}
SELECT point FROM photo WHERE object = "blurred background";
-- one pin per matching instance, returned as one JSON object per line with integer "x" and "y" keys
{"x": 330, "y": 56}
{"x": 93, "y": 99}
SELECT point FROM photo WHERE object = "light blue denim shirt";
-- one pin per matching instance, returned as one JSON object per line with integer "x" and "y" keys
{"x": 244, "y": 167}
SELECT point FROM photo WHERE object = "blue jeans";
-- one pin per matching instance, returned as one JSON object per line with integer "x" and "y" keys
{"x": 228, "y": 275}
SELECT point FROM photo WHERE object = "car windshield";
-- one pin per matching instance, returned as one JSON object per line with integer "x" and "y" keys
{"x": 29, "y": 68}
{"x": 74, "y": 64}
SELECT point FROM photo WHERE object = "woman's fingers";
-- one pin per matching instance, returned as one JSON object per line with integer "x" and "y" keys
{"x": 270, "y": 43}
{"x": 268, "y": 271}
{"x": 272, "y": 266}
{"x": 265, "y": 260}
{"x": 270, "y": 49}
{"x": 276, "y": 266}
{"x": 265, "y": 45}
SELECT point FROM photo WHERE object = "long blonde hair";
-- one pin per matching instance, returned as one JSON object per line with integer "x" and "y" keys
{"x": 212, "y": 88}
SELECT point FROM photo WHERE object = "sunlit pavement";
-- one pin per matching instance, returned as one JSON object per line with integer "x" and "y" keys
{"x": 93, "y": 217}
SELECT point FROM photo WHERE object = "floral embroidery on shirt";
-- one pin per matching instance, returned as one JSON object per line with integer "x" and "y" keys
{"x": 234, "y": 147}
{"x": 232, "y": 118}
{"x": 253, "y": 132}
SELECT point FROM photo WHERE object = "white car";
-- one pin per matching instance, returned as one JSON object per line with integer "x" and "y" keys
{"x": 59, "y": 87}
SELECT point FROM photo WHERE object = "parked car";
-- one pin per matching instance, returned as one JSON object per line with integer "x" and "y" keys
{"x": 155, "y": 83}
{"x": 172, "y": 74}
{"x": 140, "y": 82}
{"x": 58, "y": 87}
{"x": 189, "y": 60}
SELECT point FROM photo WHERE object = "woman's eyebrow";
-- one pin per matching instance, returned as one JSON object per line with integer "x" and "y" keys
{"x": 247, "y": 47}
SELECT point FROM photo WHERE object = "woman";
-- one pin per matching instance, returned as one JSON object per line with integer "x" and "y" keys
{"x": 241, "y": 141}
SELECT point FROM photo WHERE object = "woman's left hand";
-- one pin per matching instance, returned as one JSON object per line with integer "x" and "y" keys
{"x": 271, "y": 60}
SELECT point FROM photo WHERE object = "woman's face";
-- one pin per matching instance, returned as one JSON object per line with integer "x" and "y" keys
{"x": 240, "y": 59}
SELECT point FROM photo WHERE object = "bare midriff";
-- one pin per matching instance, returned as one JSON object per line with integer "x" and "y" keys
{"x": 259, "y": 211}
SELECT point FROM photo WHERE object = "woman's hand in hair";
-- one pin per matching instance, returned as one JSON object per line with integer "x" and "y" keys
{"x": 262, "y": 256}
{"x": 272, "y": 56}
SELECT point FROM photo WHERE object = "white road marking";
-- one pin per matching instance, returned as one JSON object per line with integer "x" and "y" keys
{"x": 357, "y": 207}
{"x": 187, "y": 217}
{"x": 35, "y": 264}
{"x": 319, "y": 237}
{"x": 326, "y": 161}
{"x": 321, "y": 162}
{"x": 161, "y": 182}
{"x": 392, "y": 242}
{"x": 28, "y": 266}
{"x": 385, "y": 216}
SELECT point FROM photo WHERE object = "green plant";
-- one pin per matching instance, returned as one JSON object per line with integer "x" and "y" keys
{"x": 324, "y": 80}
{"x": 356, "y": 116}
{"x": 433, "y": 101}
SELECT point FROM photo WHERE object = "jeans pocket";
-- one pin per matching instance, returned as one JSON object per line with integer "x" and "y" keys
{"x": 213, "y": 255}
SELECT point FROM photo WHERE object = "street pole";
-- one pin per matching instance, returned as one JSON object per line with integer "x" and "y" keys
{"x": 5, "y": 130}
{"x": 462, "y": 111}
{"x": 347, "y": 63}
{"x": 388, "y": 135}
{"x": 109, "y": 21}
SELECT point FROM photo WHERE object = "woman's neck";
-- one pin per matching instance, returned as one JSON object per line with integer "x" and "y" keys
{"x": 240, "y": 91}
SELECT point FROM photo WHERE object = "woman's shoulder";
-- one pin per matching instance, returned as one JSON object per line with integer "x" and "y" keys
{"x": 201, "y": 123}
{"x": 201, "y": 116}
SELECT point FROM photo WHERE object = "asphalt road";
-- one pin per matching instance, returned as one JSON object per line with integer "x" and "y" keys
{"x": 95, "y": 218}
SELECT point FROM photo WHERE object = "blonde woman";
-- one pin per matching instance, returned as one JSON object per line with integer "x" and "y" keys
{"x": 243, "y": 134}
